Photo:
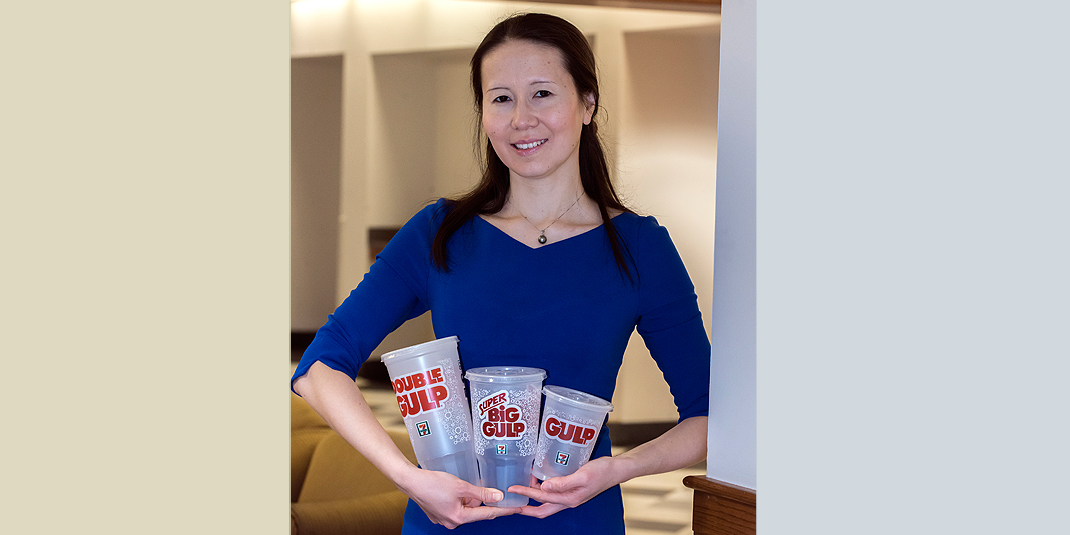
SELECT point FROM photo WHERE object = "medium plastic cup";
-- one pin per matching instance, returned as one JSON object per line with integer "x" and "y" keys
{"x": 571, "y": 421}
{"x": 505, "y": 411}
{"x": 430, "y": 393}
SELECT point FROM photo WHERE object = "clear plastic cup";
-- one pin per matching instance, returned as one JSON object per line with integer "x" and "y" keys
{"x": 505, "y": 411}
{"x": 571, "y": 421}
{"x": 430, "y": 393}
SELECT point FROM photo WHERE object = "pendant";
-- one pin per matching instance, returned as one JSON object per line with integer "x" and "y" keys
{"x": 542, "y": 238}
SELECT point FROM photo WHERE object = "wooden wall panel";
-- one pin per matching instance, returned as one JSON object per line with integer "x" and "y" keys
{"x": 722, "y": 508}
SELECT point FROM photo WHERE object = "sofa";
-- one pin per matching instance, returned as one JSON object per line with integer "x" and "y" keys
{"x": 333, "y": 488}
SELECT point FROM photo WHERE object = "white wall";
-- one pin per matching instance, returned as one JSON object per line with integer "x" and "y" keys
{"x": 315, "y": 171}
{"x": 403, "y": 146}
{"x": 402, "y": 127}
{"x": 456, "y": 169}
{"x": 732, "y": 455}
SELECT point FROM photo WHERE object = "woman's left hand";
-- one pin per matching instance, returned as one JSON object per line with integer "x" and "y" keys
{"x": 682, "y": 446}
{"x": 559, "y": 493}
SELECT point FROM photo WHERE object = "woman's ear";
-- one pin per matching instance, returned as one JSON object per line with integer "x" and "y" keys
{"x": 588, "y": 108}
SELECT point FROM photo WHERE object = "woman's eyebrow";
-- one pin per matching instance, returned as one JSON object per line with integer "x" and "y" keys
{"x": 534, "y": 82}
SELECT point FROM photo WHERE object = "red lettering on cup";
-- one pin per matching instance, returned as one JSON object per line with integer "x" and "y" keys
{"x": 502, "y": 422}
{"x": 415, "y": 396}
{"x": 567, "y": 431}
{"x": 503, "y": 430}
{"x": 419, "y": 379}
{"x": 491, "y": 401}
{"x": 553, "y": 426}
{"x": 588, "y": 434}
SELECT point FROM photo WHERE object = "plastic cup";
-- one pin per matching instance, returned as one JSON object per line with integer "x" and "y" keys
{"x": 430, "y": 393}
{"x": 505, "y": 411}
{"x": 571, "y": 421}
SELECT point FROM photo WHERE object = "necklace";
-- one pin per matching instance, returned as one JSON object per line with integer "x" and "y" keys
{"x": 542, "y": 232}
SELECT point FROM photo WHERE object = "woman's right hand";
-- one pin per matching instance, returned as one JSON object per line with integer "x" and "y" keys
{"x": 447, "y": 500}
{"x": 450, "y": 501}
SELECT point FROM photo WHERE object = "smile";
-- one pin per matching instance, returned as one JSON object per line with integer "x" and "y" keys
{"x": 525, "y": 146}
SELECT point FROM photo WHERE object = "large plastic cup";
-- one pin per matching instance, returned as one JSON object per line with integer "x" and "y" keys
{"x": 505, "y": 411}
{"x": 430, "y": 393}
{"x": 571, "y": 421}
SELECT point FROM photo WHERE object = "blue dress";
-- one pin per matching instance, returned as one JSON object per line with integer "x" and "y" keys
{"x": 564, "y": 307}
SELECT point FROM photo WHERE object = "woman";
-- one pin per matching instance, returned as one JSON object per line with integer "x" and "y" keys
{"x": 540, "y": 265}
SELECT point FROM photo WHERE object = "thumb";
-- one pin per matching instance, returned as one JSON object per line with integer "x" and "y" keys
{"x": 489, "y": 495}
{"x": 556, "y": 484}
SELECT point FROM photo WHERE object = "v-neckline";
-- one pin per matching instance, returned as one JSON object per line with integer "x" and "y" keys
{"x": 529, "y": 247}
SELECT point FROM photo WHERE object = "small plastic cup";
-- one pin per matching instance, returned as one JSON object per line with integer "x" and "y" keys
{"x": 505, "y": 411}
{"x": 571, "y": 421}
{"x": 430, "y": 393}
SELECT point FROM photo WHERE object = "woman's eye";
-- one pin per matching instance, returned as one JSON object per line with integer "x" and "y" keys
{"x": 542, "y": 93}
{"x": 501, "y": 98}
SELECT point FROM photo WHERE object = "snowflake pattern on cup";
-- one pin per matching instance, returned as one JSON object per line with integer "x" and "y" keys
{"x": 455, "y": 413}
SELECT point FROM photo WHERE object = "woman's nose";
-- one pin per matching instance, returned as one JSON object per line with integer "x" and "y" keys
{"x": 523, "y": 116}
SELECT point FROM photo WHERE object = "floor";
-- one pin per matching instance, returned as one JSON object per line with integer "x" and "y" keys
{"x": 653, "y": 505}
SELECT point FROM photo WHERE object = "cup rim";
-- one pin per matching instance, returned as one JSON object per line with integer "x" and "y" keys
{"x": 419, "y": 349}
{"x": 506, "y": 374}
{"x": 577, "y": 398}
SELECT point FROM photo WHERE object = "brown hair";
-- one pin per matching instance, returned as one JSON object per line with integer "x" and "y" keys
{"x": 490, "y": 194}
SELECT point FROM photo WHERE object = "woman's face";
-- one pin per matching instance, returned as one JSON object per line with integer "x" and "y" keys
{"x": 532, "y": 112}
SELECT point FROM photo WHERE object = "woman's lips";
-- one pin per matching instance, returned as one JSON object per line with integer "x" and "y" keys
{"x": 528, "y": 147}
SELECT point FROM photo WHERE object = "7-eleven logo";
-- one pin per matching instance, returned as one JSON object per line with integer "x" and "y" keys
{"x": 503, "y": 449}
{"x": 562, "y": 458}
{"x": 423, "y": 429}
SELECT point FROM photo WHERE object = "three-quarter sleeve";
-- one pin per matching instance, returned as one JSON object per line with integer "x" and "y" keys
{"x": 670, "y": 322}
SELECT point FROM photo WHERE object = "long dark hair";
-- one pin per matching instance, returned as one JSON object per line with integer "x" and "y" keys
{"x": 490, "y": 194}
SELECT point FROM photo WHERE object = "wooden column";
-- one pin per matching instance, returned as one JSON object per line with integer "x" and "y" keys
{"x": 722, "y": 508}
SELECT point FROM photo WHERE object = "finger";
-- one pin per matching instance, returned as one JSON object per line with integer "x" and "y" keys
{"x": 541, "y": 511}
{"x": 555, "y": 484}
{"x": 489, "y": 495}
{"x": 531, "y": 492}
{"x": 488, "y": 512}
